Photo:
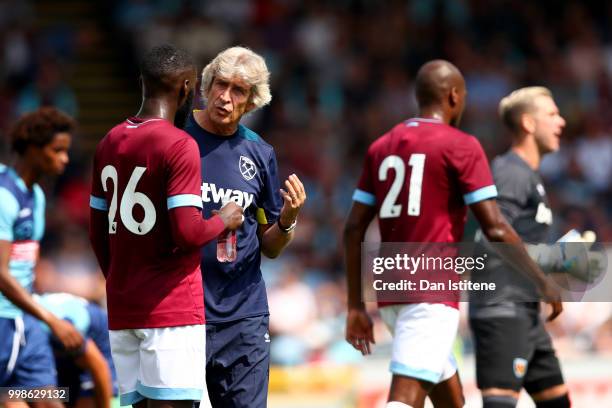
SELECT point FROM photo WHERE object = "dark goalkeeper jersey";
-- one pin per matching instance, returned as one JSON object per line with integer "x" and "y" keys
{"x": 522, "y": 200}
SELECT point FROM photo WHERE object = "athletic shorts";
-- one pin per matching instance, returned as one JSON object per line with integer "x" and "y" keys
{"x": 26, "y": 357}
{"x": 238, "y": 362}
{"x": 160, "y": 364}
{"x": 423, "y": 338}
{"x": 513, "y": 349}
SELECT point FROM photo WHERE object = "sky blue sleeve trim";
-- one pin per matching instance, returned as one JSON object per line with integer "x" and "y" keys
{"x": 39, "y": 213}
{"x": 170, "y": 394}
{"x": 98, "y": 203}
{"x": 481, "y": 194}
{"x": 184, "y": 200}
{"x": 130, "y": 398}
{"x": 364, "y": 197}
{"x": 418, "y": 373}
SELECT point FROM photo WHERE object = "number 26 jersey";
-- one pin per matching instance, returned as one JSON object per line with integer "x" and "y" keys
{"x": 143, "y": 169}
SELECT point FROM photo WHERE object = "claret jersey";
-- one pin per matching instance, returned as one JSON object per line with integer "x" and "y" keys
{"x": 142, "y": 169}
{"x": 420, "y": 177}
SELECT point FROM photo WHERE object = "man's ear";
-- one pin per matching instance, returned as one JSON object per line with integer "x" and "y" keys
{"x": 527, "y": 123}
{"x": 250, "y": 106}
{"x": 453, "y": 97}
{"x": 184, "y": 91}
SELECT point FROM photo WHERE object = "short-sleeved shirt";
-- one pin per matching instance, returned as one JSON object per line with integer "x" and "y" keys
{"x": 420, "y": 176}
{"x": 241, "y": 167}
{"x": 142, "y": 169}
{"x": 68, "y": 307}
{"x": 523, "y": 202}
{"x": 22, "y": 222}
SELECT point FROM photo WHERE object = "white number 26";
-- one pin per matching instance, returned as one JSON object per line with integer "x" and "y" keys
{"x": 129, "y": 199}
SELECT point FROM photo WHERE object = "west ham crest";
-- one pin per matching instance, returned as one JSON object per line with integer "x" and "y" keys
{"x": 247, "y": 168}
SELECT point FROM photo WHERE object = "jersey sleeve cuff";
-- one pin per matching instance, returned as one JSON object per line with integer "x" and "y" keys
{"x": 364, "y": 197}
{"x": 184, "y": 200}
{"x": 98, "y": 203}
{"x": 481, "y": 194}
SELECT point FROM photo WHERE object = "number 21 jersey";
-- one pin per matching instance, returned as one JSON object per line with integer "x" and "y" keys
{"x": 142, "y": 169}
{"x": 420, "y": 176}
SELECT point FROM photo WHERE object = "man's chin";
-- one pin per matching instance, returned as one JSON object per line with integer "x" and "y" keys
{"x": 222, "y": 120}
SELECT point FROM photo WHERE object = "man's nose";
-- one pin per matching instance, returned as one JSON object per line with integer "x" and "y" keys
{"x": 225, "y": 95}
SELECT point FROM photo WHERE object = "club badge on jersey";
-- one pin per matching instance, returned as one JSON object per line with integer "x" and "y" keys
{"x": 247, "y": 168}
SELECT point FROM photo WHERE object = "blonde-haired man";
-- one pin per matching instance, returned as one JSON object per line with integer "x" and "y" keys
{"x": 239, "y": 165}
{"x": 513, "y": 349}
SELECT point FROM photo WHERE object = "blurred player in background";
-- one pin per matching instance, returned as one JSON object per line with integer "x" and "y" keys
{"x": 41, "y": 140}
{"x": 89, "y": 374}
{"x": 513, "y": 349}
{"x": 146, "y": 231}
{"x": 239, "y": 165}
{"x": 452, "y": 172}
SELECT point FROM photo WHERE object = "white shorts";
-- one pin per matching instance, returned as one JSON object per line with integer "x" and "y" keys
{"x": 423, "y": 337}
{"x": 162, "y": 364}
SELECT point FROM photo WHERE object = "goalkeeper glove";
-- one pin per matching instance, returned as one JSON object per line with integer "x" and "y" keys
{"x": 571, "y": 254}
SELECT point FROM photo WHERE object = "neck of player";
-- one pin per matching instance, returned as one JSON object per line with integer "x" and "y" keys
{"x": 220, "y": 129}
{"x": 27, "y": 172}
{"x": 527, "y": 149}
{"x": 156, "y": 108}
{"x": 434, "y": 112}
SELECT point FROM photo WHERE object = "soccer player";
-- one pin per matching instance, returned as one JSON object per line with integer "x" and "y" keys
{"x": 513, "y": 349}
{"x": 90, "y": 373}
{"x": 239, "y": 165}
{"x": 146, "y": 231}
{"x": 447, "y": 170}
{"x": 41, "y": 140}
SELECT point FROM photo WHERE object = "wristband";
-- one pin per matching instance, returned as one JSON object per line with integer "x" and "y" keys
{"x": 288, "y": 229}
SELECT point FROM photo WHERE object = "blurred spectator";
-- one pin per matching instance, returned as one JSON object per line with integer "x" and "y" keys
{"x": 48, "y": 89}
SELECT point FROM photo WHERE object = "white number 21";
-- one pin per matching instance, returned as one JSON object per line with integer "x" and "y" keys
{"x": 389, "y": 208}
{"x": 129, "y": 199}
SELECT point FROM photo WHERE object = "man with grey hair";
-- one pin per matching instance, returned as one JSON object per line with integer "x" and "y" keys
{"x": 513, "y": 349}
{"x": 238, "y": 165}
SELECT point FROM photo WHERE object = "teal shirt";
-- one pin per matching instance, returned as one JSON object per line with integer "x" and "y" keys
{"x": 67, "y": 307}
{"x": 22, "y": 222}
